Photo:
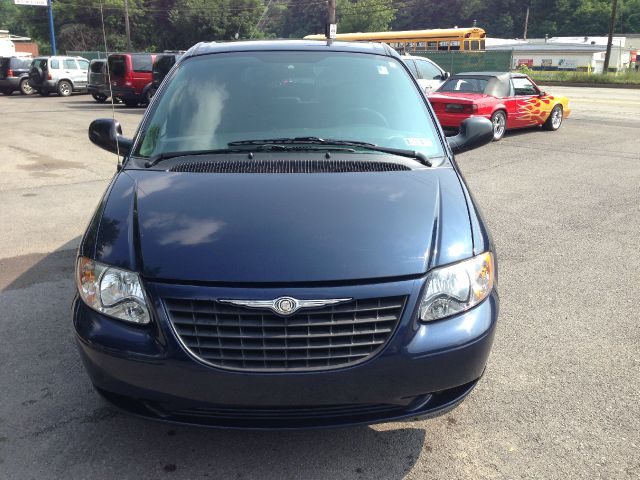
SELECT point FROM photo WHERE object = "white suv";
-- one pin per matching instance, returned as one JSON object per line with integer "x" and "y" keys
{"x": 59, "y": 74}
{"x": 428, "y": 73}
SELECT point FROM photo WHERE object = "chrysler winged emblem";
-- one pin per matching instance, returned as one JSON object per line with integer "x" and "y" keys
{"x": 285, "y": 305}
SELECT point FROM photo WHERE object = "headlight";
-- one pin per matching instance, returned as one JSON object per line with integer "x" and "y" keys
{"x": 112, "y": 291}
{"x": 456, "y": 288}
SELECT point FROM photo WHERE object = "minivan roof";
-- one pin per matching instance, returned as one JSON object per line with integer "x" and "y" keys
{"x": 205, "y": 48}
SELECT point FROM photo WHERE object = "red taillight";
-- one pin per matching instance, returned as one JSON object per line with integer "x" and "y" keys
{"x": 49, "y": 77}
{"x": 461, "y": 108}
{"x": 9, "y": 73}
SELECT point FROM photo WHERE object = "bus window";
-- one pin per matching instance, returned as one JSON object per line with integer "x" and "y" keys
{"x": 475, "y": 45}
{"x": 421, "y": 46}
{"x": 466, "y": 44}
{"x": 455, "y": 45}
{"x": 443, "y": 45}
{"x": 411, "y": 46}
{"x": 432, "y": 45}
{"x": 481, "y": 44}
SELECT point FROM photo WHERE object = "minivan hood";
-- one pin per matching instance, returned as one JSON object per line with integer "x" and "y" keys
{"x": 275, "y": 228}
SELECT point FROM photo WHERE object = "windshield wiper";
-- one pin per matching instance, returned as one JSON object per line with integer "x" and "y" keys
{"x": 421, "y": 157}
{"x": 154, "y": 160}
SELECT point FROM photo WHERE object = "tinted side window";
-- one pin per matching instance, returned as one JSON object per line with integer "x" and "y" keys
{"x": 70, "y": 64}
{"x": 522, "y": 86}
{"x": 17, "y": 63}
{"x": 117, "y": 66}
{"x": 96, "y": 67}
{"x": 428, "y": 71}
{"x": 142, "y": 63}
{"x": 163, "y": 64}
{"x": 55, "y": 64}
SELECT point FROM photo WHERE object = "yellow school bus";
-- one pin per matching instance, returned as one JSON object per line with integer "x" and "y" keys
{"x": 407, "y": 41}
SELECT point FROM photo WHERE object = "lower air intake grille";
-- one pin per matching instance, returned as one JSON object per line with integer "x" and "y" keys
{"x": 287, "y": 166}
{"x": 243, "y": 338}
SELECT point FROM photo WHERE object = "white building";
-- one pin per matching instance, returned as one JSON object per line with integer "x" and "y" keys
{"x": 566, "y": 53}
{"x": 8, "y": 47}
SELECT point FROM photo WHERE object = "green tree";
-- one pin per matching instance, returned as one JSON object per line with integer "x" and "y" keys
{"x": 364, "y": 15}
{"x": 303, "y": 19}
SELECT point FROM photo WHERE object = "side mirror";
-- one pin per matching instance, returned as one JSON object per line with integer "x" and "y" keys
{"x": 446, "y": 75}
{"x": 542, "y": 94}
{"x": 107, "y": 133}
{"x": 474, "y": 132}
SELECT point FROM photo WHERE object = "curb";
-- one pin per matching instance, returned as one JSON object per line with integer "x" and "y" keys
{"x": 589, "y": 85}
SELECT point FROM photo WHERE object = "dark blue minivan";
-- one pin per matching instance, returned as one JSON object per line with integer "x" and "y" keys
{"x": 288, "y": 243}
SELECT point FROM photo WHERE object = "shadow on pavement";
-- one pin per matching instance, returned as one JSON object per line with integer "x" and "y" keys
{"x": 50, "y": 411}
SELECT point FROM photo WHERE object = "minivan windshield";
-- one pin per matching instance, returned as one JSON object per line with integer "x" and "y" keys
{"x": 214, "y": 100}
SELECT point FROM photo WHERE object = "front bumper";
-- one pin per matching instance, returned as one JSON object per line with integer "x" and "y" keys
{"x": 424, "y": 370}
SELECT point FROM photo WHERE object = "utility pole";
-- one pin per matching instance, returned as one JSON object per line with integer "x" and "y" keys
{"x": 612, "y": 23}
{"x": 51, "y": 31}
{"x": 526, "y": 24}
{"x": 331, "y": 28}
{"x": 126, "y": 24}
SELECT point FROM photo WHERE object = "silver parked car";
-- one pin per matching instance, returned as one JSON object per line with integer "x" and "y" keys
{"x": 427, "y": 72}
{"x": 59, "y": 74}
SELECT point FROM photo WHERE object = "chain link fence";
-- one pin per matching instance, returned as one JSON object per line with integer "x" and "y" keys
{"x": 88, "y": 55}
{"x": 457, "y": 61}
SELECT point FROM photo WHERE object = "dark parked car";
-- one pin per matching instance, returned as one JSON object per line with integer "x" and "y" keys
{"x": 14, "y": 75}
{"x": 161, "y": 67}
{"x": 130, "y": 74}
{"x": 97, "y": 80}
{"x": 288, "y": 243}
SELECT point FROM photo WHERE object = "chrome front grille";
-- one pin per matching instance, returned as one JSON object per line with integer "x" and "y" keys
{"x": 244, "y": 338}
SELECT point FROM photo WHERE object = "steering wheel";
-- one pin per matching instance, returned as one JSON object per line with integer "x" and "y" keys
{"x": 373, "y": 117}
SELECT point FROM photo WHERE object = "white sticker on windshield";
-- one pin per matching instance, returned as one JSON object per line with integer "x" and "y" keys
{"x": 382, "y": 70}
{"x": 392, "y": 64}
{"x": 418, "y": 142}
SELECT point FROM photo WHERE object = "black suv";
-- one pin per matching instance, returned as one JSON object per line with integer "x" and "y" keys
{"x": 14, "y": 75}
{"x": 164, "y": 62}
{"x": 97, "y": 80}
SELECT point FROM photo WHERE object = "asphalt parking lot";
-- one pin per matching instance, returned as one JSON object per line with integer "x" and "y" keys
{"x": 560, "y": 395}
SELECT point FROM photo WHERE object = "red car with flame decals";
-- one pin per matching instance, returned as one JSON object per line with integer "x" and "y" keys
{"x": 509, "y": 100}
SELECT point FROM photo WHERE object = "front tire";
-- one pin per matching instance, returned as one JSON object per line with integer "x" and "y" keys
{"x": 64, "y": 88}
{"x": 555, "y": 119}
{"x": 25, "y": 88}
{"x": 499, "y": 121}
